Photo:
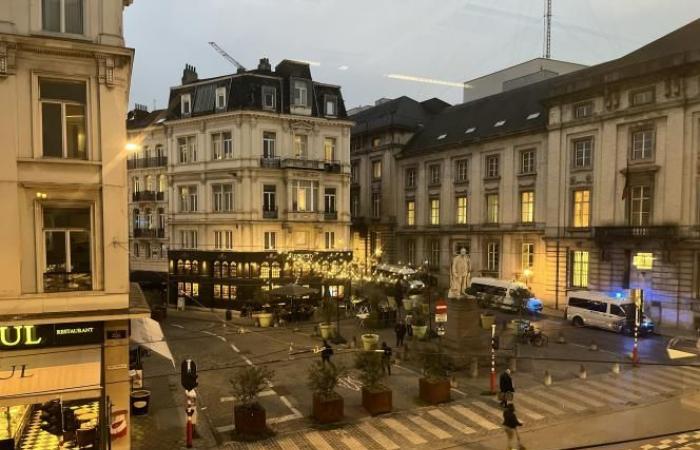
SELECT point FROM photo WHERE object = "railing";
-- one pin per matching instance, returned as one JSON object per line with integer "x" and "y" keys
{"x": 149, "y": 232}
{"x": 270, "y": 162}
{"x": 142, "y": 163}
{"x": 330, "y": 215}
{"x": 269, "y": 213}
{"x": 332, "y": 166}
{"x": 300, "y": 163}
{"x": 661, "y": 232}
{"x": 67, "y": 281}
{"x": 144, "y": 196}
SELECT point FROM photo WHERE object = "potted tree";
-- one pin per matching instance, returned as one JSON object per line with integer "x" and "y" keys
{"x": 370, "y": 341}
{"x": 420, "y": 327}
{"x": 327, "y": 328}
{"x": 265, "y": 317}
{"x": 376, "y": 397}
{"x": 327, "y": 403}
{"x": 434, "y": 386}
{"x": 248, "y": 415}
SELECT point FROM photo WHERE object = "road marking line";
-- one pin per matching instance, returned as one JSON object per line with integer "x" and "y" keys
{"x": 317, "y": 441}
{"x": 287, "y": 444}
{"x": 650, "y": 385}
{"x": 289, "y": 405}
{"x": 474, "y": 417}
{"x": 351, "y": 442}
{"x": 674, "y": 377}
{"x": 429, "y": 427}
{"x": 403, "y": 431}
{"x": 249, "y": 362}
{"x": 177, "y": 325}
{"x": 379, "y": 437}
{"x": 585, "y": 388}
{"x": 281, "y": 419}
{"x": 267, "y": 393}
{"x": 614, "y": 390}
{"x": 530, "y": 413}
{"x": 235, "y": 349}
{"x": 685, "y": 372}
{"x": 580, "y": 397}
{"x": 226, "y": 428}
{"x": 226, "y": 399}
{"x": 208, "y": 332}
{"x": 221, "y": 338}
{"x": 556, "y": 399}
{"x": 489, "y": 409}
{"x": 450, "y": 421}
{"x": 541, "y": 405}
{"x": 656, "y": 379}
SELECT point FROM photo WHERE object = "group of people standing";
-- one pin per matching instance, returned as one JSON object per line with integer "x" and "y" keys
{"x": 510, "y": 420}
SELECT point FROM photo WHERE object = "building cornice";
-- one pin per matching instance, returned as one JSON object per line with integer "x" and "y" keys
{"x": 254, "y": 115}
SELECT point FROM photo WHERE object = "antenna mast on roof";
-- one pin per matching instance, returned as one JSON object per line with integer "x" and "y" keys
{"x": 547, "y": 29}
{"x": 226, "y": 56}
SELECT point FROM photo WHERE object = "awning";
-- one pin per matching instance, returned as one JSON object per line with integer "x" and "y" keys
{"x": 148, "y": 333}
{"x": 34, "y": 378}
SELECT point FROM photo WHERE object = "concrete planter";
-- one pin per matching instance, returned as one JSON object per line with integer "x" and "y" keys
{"x": 265, "y": 319}
{"x": 249, "y": 420}
{"x": 327, "y": 330}
{"x": 370, "y": 342}
{"x": 487, "y": 320}
{"x": 328, "y": 410}
{"x": 377, "y": 401}
{"x": 407, "y": 304}
{"x": 420, "y": 331}
{"x": 434, "y": 391}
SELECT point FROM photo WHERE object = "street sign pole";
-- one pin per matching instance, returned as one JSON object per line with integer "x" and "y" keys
{"x": 493, "y": 358}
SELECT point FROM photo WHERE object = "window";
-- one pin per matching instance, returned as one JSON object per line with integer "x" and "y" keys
{"x": 222, "y": 195}
{"x": 301, "y": 143}
{"x": 434, "y": 211}
{"x": 187, "y": 149}
{"x": 492, "y": 169}
{"x": 188, "y": 239}
{"x": 220, "y": 98}
{"x": 270, "y": 240}
{"x": 642, "y": 145}
{"x": 434, "y": 253}
{"x": 269, "y": 198}
{"x": 188, "y": 198}
{"x": 376, "y": 142}
{"x": 304, "y": 195}
{"x": 186, "y": 104}
{"x": 330, "y": 240}
{"x": 221, "y": 145}
{"x": 223, "y": 240}
{"x": 149, "y": 183}
{"x": 377, "y": 170}
{"x": 642, "y": 97}
{"x": 149, "y": 222}
{"x": 411, "y": 177}
{"x": 137, "y": 249}
{"x": 579, "y": 269}
{"x": 527, "y": 161}
{"x": 582, "y": 208}
{"x": 411, "y": 213}
{"x": 462, "y": 170}
{"x": 63, "y": 122}
{"x": 640, "y": 215}
{"x": 162, "y": 183}
{"x": 62, "y": 16}
{"x": 410, "y": 251}
{"x": 376, "y": 204}
{"x": 355, "y": 204}
{"x": 582, "y": 110}
{"x": 527, "y": 206}
{"x": 67, "y": 249}
{"x": 492, "y": 208}
{"x": 136, "y": 184}
{"x": 583, "y": 152}
{"x": 493, "y": 256}
{"x": 434, "y": 171}
{"x": 269, "y": 97}
{"x": 329, "y": 200}
{"x": 461, "y": 209}
{"x": 300, "y": 93}
{"x": 161, "y": 218}
{"x": 269, "y": 139}
{"x": 331, "y": 105}
{"x": 527, "y": 255}
{"x": 329, "y": 149}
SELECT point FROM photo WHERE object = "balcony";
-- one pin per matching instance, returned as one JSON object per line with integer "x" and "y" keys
{"x": 634, "y": 233}
{"x": 332, "y": 166}
{"x": 67, "y": 281}
{"x": 330, "y": 215}
{"x": 301, "y": 163}
{"x": 149, "y": 232}
{"x": 143, "y": 163}
{"x": 148, "y": 196}
{"x": 270, "y": 162}
{"x": 269, "y": 213}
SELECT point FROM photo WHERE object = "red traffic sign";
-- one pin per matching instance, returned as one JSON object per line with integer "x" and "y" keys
{"x": 440, "y": 306}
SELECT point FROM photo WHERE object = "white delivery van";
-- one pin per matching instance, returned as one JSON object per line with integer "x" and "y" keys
{"x": 495, "y": 293}
{"x": 600, "y": 310}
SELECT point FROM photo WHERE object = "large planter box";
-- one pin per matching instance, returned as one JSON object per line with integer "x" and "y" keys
{"x": 434, "y": 391}
{"x": 419, "y": 331}
{"x": 370, "y": 341}
{"x": 327, "y": 330}
{"x": 328, "y": 410}
{"x": 249, "y": 420}
{"x": 377, "y": 402}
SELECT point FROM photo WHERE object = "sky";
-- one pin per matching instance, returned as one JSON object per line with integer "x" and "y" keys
{"x": 356, "y": 43}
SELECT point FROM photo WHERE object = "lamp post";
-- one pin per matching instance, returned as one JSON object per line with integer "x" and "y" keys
{"x": 428, "y": 287}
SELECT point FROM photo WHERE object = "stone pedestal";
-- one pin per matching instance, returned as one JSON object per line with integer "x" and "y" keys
{"x": 463, "y": 327}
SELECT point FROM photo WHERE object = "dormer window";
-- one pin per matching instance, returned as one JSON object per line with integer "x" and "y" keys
{"x": 331, "y": 105}
{"x": 186, "y": 104}
{"x": 62, "y": 16}
{"x": 470, "y": 130}
{"x": 500, "y": 123}
{"x": 221, "y": 98}
{"x": 269, "y": 95}
{"x": 301, "y": 93}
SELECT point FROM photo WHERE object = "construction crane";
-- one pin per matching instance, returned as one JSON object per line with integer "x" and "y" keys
{"x": 228, "y": 57}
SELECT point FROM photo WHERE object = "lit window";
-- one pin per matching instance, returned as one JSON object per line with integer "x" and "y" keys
{"x": 330, "y": 240}
{"x": 434, "y": 211}
{"x": 527, "y": 161}
{"x": 527, "y": 207}
{"x": 270, "y": 240}
{"x": 63, "y": 122}
{"x": 221, "y": 145}
{"x": 67, "y": 249}
{"x": 527, "y": 255}
{"x": 492, "y": 208}
{"x": 62, "y": 16}
{"x": 642, "y": 144}
{"x": 492, "y": 166}
{"x": 641, "y": 206}
{"x": 186, "y": 104}
{"x": 329, "y": 149}
{"x": 304, "y": 195}
{"x": 579, "y": 269}
{"x": 220, "y": 98}
{"x": 462, "y": 210}
{"x": 583, "y": 152}
{"x": 410, "y": 213}
{"x": 376, "y": 170}
{"x": 301, "y": 144}
{"x": 582, "y": 208}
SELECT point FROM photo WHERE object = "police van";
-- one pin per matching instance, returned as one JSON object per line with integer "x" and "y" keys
{"x": 495, "y": 293}
{"x": 600, "y": 310}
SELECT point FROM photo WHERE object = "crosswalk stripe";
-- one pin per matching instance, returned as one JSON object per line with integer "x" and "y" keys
{"x": 646, "y": 383}
{"x": 614, "y": 391}
{"x": 474, "y": 417}
{"x": 557, "y": 399}
{"x": 450, "y": 421}
{"x": 528, "y": 412}
{"x": 657, "y": 379}
{"x": 686, "y": 372}
{"x": 287, "y": 444}
{"x": 317, "y": 441}
{"x": 586, "y": 389}
{"x": 564, "y": 391}
{"x": 676, "y": 377}
{"x": 541, "y": 405}
{"x": 429, "y": 427}
{"x": 403, "y": 431}
{"x": 615, "y": 381}
{"x": 379, "y": 437}
{"x": 489, "y": 409}
{"x": 690, "y": 402}
{"x": 351, "y": 442}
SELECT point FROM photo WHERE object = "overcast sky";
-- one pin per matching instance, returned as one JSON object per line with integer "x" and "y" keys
{"x": 451, "y": 40}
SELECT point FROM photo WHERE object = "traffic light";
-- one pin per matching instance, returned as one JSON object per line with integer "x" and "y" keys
{"x": 52, "y": 417}
{"x": 188, "y": 374}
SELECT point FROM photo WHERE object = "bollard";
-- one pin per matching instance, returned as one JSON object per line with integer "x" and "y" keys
{"x": 616, "y": 368}
{"x": 512, "y": 364}
{"x": 547, "y": 378}
{"x": 474, "y": 367}
{"x": 582, "y": 374}
{"x": 593, "y": 347}
{"x": 561, "y": 339}
{"x": 291, "y": 350}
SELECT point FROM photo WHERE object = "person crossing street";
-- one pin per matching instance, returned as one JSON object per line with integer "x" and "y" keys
{"x": 506, "y": 387}
{"x": 511, "y": 424}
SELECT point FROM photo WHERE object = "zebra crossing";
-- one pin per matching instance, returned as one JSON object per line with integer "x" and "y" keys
{"x": 471, "y": 418}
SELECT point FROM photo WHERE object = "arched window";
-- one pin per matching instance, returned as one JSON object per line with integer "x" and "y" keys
{"x": 224, "y": 270}
{"x": 195, "y": 266}
{"x": 265, "y": 270}
{"x": 188, "y": 266}
{"x": 217, "y": 269}
{"x": 180, "y": 266}
{"x": 275, "y": 270}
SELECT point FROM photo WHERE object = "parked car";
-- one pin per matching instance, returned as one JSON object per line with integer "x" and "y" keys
{"x": 600, "y": 310}
{"x": 495, "y": 293}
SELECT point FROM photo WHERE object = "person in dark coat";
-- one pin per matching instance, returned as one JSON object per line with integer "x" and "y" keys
{"x": 511, "y": 424}
{"x": 400, "y": 330}
{"x": 386, "y": 358}
{"x": 326, "y": 352}
{"x": 506, "y": 384}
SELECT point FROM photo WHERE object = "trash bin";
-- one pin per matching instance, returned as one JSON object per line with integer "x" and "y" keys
{"x": 140, "y": 400}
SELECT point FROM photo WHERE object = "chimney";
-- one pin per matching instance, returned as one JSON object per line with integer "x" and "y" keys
{"x": 189, "y": 75}
{"x": 264, "y": 65}
{"x": 140, "y": 112}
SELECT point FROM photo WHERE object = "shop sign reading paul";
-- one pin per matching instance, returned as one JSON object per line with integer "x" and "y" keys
{"x": 26, "y": 337}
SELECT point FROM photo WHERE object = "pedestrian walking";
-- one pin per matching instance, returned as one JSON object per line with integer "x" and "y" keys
{"x": 326, "y": 352}
{"x": 386, "y": 359}
{"x": 400, "y": 330}
{"x": 409, "y": 325}
{"x": 511, "y": 424}
{"x": 506, "y": 384}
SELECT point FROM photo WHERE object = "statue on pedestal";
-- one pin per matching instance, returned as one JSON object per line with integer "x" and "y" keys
{"x": 460, "y": 274}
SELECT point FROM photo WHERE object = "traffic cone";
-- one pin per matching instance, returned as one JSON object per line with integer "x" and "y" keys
{"x": 547, "y": 378}
{"x": 616, "y": 368}
{"x": 582, "y": 374}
